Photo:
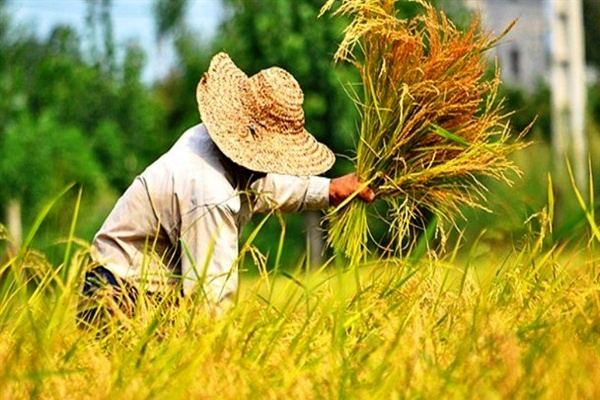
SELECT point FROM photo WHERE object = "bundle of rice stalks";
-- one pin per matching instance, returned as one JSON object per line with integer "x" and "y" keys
{"x": 431, "y": 124}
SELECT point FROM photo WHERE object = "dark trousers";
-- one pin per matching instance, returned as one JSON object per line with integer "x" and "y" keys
{"x": 105, "y": 295}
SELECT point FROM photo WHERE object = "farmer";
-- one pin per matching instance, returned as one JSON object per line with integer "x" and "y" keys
{"x": 178, "y": 224}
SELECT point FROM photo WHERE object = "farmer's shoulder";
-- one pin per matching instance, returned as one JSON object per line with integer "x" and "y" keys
{"x": 193, "y": 169}
{"x": 194, "y": 142}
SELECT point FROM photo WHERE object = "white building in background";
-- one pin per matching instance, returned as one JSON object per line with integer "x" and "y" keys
{"x": 524, "y": 53}
{"x": 546, "y": 44}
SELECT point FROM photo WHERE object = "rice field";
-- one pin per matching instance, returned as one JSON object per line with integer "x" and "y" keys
{"x": 518, "y": 322}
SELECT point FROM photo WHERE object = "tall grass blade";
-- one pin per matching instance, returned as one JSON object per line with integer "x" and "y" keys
{"x": 40, "y": 218}
{"x": 589, "y": 213}
{"x": 67, "y": 256}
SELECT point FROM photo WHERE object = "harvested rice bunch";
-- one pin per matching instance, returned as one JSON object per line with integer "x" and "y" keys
{"x": 431, "y": 124}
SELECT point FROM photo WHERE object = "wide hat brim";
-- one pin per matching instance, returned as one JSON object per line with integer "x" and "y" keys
{"x": 244, "y": 138}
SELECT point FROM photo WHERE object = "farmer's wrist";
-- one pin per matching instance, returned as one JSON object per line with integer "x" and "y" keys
{"x": 337, "y": 194}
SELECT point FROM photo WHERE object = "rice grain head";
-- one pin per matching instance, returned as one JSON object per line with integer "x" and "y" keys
{"x": 431, "y": 126}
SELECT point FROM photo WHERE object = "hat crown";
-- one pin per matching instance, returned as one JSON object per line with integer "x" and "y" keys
{"x": 258, "y": 121}
{"x": 276, "y": 101}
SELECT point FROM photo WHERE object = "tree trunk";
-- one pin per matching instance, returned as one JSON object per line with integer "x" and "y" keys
{"x": 314, "y": 239}
{"x": 15, "y": 229}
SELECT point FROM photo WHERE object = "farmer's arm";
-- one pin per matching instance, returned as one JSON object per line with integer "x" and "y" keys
{"x": 209, "y": 249}
{"x": 292, "y": 193}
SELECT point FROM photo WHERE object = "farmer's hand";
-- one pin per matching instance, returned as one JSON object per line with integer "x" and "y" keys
{"x": 342, "y": 187}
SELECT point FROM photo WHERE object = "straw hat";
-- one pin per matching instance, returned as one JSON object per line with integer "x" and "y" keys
{"x": 258, "y": 121}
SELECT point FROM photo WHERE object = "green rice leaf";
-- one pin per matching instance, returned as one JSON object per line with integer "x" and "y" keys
{"x": 438, "y": 130}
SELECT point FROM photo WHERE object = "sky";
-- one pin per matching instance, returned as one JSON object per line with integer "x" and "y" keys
{"x": 132, "y": 20}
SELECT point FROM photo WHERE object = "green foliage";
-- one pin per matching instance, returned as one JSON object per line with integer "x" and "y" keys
{"x": 99, "y": 29}
{"x": 41, "y": 155}
{"x": 109, "y": 148}
{"x": 594, "y": 104}
{"x": 591, "y": 16}
{"x": 72, "y": 116}
{"x": 177, "y": 91}
{"x": 82, "y": 95}
{"x": 168, "y": 15}
{"x": 526, "y": 107}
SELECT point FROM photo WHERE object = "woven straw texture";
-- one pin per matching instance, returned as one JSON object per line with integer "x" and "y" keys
{"x": 258, "y": 121}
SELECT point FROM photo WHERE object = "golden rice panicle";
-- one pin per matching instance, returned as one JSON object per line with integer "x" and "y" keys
{"x": 431, "y": 126}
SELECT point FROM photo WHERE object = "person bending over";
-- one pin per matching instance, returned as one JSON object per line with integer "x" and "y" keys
{"x": 178, "y": 224}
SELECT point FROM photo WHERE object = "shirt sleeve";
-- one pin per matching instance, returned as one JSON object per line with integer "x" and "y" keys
{"x": 290, "y": 193}
{"x": 209, "y": 245}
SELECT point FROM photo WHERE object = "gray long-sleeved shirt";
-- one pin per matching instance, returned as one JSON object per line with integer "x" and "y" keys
{"x": 181, "y": 218}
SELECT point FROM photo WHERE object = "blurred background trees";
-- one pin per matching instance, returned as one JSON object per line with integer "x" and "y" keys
{"x": 72, "y": 115}
{"x": 75, "y": 108}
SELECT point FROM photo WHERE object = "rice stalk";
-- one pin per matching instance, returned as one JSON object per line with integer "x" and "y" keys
{"x": 432, "y": 128}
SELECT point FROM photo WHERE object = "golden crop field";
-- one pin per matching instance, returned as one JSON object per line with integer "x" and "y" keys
{"x": 517, "y": 323}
